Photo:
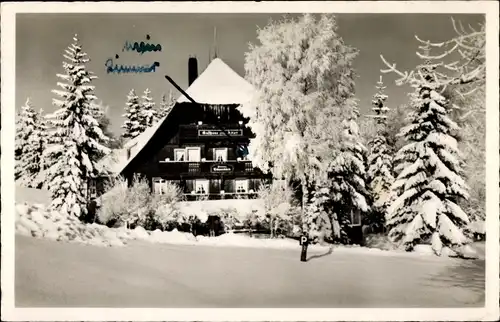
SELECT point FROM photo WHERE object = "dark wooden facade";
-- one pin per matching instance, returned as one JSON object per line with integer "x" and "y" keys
{"x": 191, "y": 151}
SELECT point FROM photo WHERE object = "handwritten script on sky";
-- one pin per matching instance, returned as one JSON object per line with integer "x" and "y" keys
{"x": 140, "y": 48}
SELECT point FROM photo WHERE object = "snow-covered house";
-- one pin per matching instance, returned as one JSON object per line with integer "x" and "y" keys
{"x": 187, "y": 148}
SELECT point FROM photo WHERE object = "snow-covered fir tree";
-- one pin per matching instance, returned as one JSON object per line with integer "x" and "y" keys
{"x": 75, "y": 136}
{"x": 318, "y": 219}
{"x": 30, "y": 137}
{"x": 24, "y": 126}
{"x": 133, "y": 127}
{"x": 380, "y": 177}
{"x": 147, "y": 113}
{"x": 302, "y": 73}
{"x": 424, "y": 198}
{"x": 347, "y": 176}
{"x": 166, "y": 105}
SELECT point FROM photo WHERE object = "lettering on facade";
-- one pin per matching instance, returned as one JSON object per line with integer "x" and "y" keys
{"x": 211, "y": 133}
{"x": 222, "y": 168}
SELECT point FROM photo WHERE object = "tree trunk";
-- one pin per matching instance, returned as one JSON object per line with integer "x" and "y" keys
{"x": 271, "y": 226}
{"x": 305, "y": 198}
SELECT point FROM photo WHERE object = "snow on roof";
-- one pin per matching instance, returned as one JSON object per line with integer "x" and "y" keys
{"x": 112, "y": 160}
{"x": 219, "y": 84}
{"x": 140, "y": 141}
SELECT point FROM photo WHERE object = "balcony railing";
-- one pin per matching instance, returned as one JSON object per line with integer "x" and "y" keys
{"x": 220, "y": 196}
{"x": 224, "y": 167}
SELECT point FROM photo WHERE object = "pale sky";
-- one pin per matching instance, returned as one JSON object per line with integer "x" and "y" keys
{"x": 42, "y": 38}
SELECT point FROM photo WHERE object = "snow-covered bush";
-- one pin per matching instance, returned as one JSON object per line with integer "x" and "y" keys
{"x": 379, "y": 241}
{"x": 162, "y": 209}
{"x": 230, "y": 218}
{"x": 113, "y": 204}
{"x": 137, "y": 206}
{"x": 280, "y": 207}
{"x": 256, "y": 221}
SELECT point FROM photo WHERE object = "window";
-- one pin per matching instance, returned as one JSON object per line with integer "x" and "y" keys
{"x": 194, "y": 154}
{"x": 355, "y": 218}
{"x": 157, "y": 185}
{"x": 93, "y": 188}
{"x": 241, "y": 185}
{"x": 220, "y": 155}
{"x": 180, "y": 155}
{"x": 201, "y": 187}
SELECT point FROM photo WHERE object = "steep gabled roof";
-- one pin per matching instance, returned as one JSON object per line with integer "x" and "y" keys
{"x": 219, "y": 84}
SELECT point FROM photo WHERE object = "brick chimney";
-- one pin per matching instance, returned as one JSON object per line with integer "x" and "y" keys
{"x": 192, "y": 69}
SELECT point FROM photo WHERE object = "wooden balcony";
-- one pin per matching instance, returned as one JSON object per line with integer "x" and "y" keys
{"x": 220, "y": 196}
{"x": 187, "y": 168}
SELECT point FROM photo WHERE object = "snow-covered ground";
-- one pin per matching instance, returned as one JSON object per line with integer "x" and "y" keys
{"x": 54, "y": 274}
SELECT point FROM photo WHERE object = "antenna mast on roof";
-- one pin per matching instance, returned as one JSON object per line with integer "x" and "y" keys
{"x": 215, "y": 43}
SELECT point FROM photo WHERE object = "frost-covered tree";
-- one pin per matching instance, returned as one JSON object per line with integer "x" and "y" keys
{"x": 462, "y": 58}
{"x": 347, "y": 176}
{"x": 302, "y": 74}
{"x": 30, "y": 137}
{"x": 132, "y": 125}
{"x": 425, "y": 196}
{"x": 279, "y": 206}
{"x": 147, "y": 113}
{"x": 166, "y": 105}
{"x": 75, "y": 137}
{"x": 472, "y": 142}
{"x": 379, "y": 174}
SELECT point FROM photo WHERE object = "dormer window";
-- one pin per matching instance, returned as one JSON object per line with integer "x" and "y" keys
{"x": 180, "y": 155}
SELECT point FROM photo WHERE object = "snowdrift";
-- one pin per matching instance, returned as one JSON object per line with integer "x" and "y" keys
{"x": 37, "y": 221}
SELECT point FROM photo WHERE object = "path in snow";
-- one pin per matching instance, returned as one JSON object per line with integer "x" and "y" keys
{"x": 52, "y": 274}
